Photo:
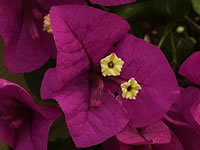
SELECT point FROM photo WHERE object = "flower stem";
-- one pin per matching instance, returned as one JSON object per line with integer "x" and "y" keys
{"x": 165, "y": 34}
{"x": 173, "y": 48}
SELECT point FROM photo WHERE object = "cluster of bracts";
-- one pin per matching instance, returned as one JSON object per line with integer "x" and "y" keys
{"x": 112, "y": 87}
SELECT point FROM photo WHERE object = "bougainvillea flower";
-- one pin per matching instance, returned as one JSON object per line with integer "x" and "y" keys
{"x": 23, "y": 124}
{"x": 27, "y": 46}
{"x": 93, "y": 114}
{"x": 111, "y": 2}
{"x": 186, "y": 109}
{"x": 156, "y": 136}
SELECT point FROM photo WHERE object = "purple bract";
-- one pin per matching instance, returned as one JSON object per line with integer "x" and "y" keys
{"x": 23, "y": 124}
{"x": 156, "y": 136}
{"x": 187, "y": 108}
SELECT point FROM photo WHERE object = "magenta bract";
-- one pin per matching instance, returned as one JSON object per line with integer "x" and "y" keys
{"x": 156, "y": 133}
{"x": 156, "y": 136}
{"x": 190, "y": 68}
{"x": 23, "y": 124}
{"x": 186, "y": 109}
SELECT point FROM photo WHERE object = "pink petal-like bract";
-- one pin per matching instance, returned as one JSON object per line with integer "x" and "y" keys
{"x": 23, "y": 124}
{"x": 156, "y": 133}
{"x": 148, "y": 65}
{"x": 190, "y": 68}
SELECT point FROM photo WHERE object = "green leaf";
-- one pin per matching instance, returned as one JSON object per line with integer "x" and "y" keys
{"x": 184, "y": 48}
{"x": 163, "y": 11}
{"x": 34, "y": 79}
{"x": 196, "y": 6}
{"x": 59, "y": 130}
{"x": 197, "y": 45}
{"x": 3, "y": 146}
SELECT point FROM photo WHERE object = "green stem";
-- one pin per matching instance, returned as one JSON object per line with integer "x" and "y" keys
{"x": 174, "y": 60}
{"x": 195, "y": 26}
{"x": 166, "y": 33}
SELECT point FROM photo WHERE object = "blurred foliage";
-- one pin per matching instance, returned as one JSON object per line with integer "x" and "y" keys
{"x": 160, "y": 11}
{"x": 34, "y": 78}
{"x": 34, "y": 81}
{"x": 3, "y": 146}
{"x": 196, "y": 6}
{"x": 172, "y": 25}
{"x": 58, "y": 130}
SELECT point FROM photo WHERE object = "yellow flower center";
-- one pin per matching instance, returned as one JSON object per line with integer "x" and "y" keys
{"x": 47, "y": 24}
{"x": 130, "y": 89}
{"x": 111, "y": 65}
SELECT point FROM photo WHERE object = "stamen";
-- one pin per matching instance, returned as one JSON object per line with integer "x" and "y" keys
{"x": 36, "y": 13}
{"x": 97, "y": 93}
{"x": 130, "y": 89}
{"x": 33, "y": 30}
{"x": 111, "y": 65}
{"x": 47, "y": 24}
{"x": 16, "y": 123}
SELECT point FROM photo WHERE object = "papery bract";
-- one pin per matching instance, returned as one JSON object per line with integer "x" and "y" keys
{"x": 156, "y": 136}
{"x": 147, "y": 64}
{"x": 77, "y": 32}
{"x": 186, "y": 109}
{"x": 175, "y": 144}
{"x": 27, "y": 46}
{"x": 184, "y": 114}
{"x": 190, "y": 68}
{"x": 83, "y": 37}
{"x": 23, "y": 124}
{"x": 156, "y": 133}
